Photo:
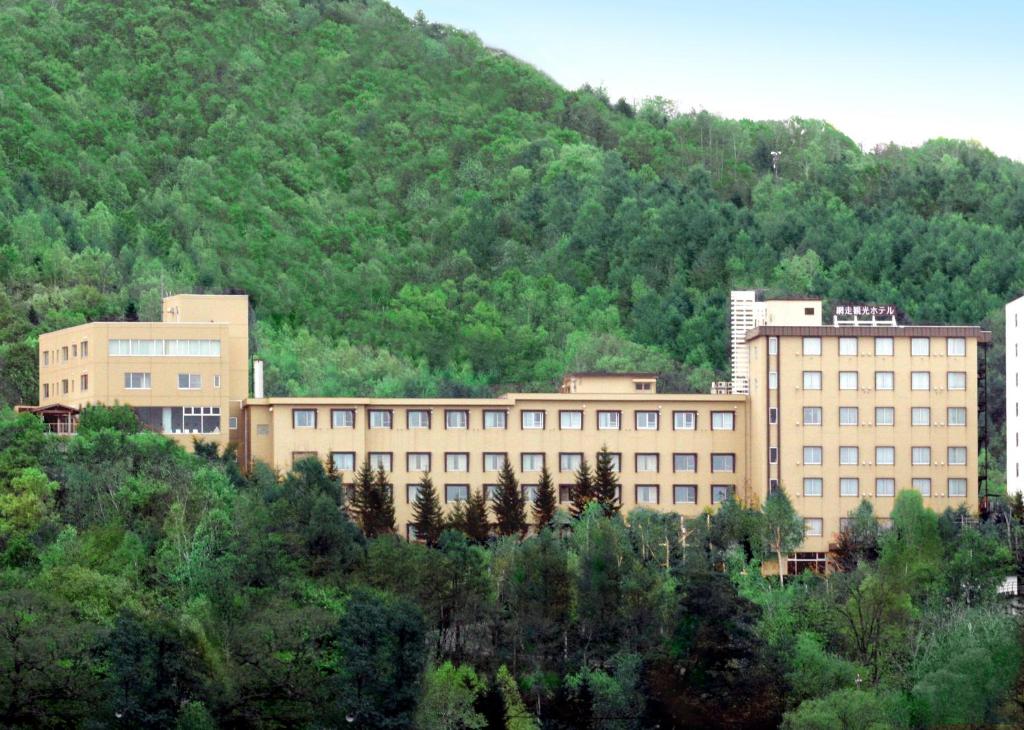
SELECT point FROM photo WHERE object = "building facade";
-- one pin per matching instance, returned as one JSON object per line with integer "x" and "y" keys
{"x": 1014, "y": 395}
{"x": 859, "y": 409}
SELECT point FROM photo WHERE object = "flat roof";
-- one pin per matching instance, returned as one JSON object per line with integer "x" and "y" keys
{"x": 506, "y": 401}
{"x": 608, "y": 374}
{"x": 871, "y": 331}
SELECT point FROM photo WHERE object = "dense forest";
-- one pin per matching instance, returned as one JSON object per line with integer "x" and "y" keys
{"x": 415, "y": 213}
{"x": 145, "y": 587}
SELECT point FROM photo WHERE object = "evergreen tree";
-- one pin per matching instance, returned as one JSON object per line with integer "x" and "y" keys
{"x": 384, "y": 504}
{"x": 361, "y": 503}
{"x": 546, "y": 503}
{"x": 508, "y": 503}
{"x": 373, "y": 503}
{"x": 475, "y": 522}
{"x": 427, "y": 517}
{"x": 606, "y": 483}
{"x": 582, "y": 492}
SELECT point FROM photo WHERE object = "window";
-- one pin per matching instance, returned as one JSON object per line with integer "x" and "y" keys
{"x": 417, "y": 419}
{"x": 304, "y": 418}
{"x": 46, "y": 390}
{"x": 723, "y": 421}
{"x": 615, "y": 459}
{"x": 920, "y": 380}
{"x": 813, "y": 526}
{"x": 74, "y": 350}
{"x": 812, "y": 345}
{"x": 343, "y": 460}
{"x": 85, "y": 348}
{"x": 920, "y": 346}
{"x": 723, "y": 462}
{"x": 849, "y": 455}
{"x": 646, "y": 420}
{"x": 773, "y": 454}
{"x": 609, "y": 420}
{"x": 812, "y": 486}
{"x": 884, "y": 380}
{"x": 456, "y": 419}
{"x": 885, "y": 416}
{"x": 849, "y": 487}
{"x": 646, "y": 494}
{"x": 684, "y": 494}
{"x": 493, "y": 461}
{"x": 921, "y": 416}
{"x": 773, "y": 415}
{"x": 956, "y": 416}
{"x": 529, "y": 493}
{"x": 533, "y": 419}
{"x": 812, "y": 415}
{"x": 684, "y": 420}
{"x": 495, "y": 420}
{"x": 885, "y": 487}
{"x": 84, "y": 382}
{"x": 646, "y": 462}
{"x": 812, "y": 380}
{"x": 64, "y": 386}
{"x": 233, "y": 422}
{"x": 532, "y": 462}
{"x": 46, "y": 358}
{"x": 456, "y": 462}
{"x": 380, "y": 419}
{"x": 159, "y": 348}
{"x": 883, "y": 346}
{"x": 190, "y": 381}
{"x": 343, "y": 418}
{"x": 956, "y": 487}
{"x": 956, "y": 347}
{"x": 569, "y": 462}
{"x": 380, "y": 460}
{"x": 920, "y": 455}
{"x": 847, "y": 345}
{"x": 956, "y": 381}
{"x": 722, "y": 492}
{"x": 565, "y": 493}
{"x": 684, "y": 462}
{"x": 885, "y": 455}
{"x": 138, "y": 381}
{"x": 773, "y": 380}
{"x": 956, "y": 455}
{"x": 64, "y": 354}
{"x": 922, "y": 485}
{"x": 848, "y": 380}
{"x": 262, "y": 429}
{"x": 849, "y": 416}
{"x": 570, "y": 420}
{"x": 773, "y": 345}
{"x": 812, "y": 455}
{"x": 456, "y": 492}
{"x": 491, "y": 491}
{"x": 416, "y": 461}
{"x": 412, "y": 491}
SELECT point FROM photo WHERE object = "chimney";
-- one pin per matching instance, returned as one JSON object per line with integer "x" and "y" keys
{"x": 257, "y": 378}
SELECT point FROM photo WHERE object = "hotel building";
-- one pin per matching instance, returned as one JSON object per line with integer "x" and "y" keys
{"x": 857, "y": 409}
{"x": 1014, "y": 395}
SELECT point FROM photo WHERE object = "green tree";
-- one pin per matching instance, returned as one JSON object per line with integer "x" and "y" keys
{"x": 606, "y": 485}
{"x": 427, "y": 517}
{"x": 373, "y": 501}
{"x": 508, "y": 503}
{"x": 546, "y": 503}
{"x": 477, "y": 524}
{"x": 582, "y": 492}
{"x": 516, "y": 715}
{"x": 449, "y": 699}
{"x": 858, "y": 541}
{"x": 782, "y": 529}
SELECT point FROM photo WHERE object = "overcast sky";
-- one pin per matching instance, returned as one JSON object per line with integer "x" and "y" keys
{"x": 900, "y": 71}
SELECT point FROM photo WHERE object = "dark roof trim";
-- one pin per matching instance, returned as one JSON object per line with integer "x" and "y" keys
{"x": 605, "y": 374}
{"x": 983, "y": 336}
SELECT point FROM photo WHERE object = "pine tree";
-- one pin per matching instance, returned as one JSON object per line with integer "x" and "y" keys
{"x": 384, "y": 504}
{"x": 606, "y": 483}
{"x": 508, "y": 503}
{"x": 546, "y": 503}
{"x": 373, "y": 504}
{"x": 475, "y": 522}
{"x": 427, "y": 517}
{"x": 582, "y": 492}
{"x": 362, "y": 497}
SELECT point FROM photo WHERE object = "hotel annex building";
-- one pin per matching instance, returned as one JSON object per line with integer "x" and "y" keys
{"x": 857, "y": 409}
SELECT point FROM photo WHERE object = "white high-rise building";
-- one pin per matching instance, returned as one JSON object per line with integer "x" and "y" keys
{"x": 749, "y": 309}
{"x": 1014, "y": 396}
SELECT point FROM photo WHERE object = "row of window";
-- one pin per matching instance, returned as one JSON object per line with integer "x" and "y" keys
{"x": 884, "y": 487}
{"x": 884, "y": 380}
{"x": 66, "y": 353}
{"x": 884, "y": 455}
{"x": 422, "y": 461}
{"x": 884, "y": 346}
{"x": 884, "y": 416}
{"x": 456, "y": 418}
{"x": 65, "y": 386}
{"x": 186, "y": 381}
{"x": 159, "y": 348}
{"x": 643, "y": 493}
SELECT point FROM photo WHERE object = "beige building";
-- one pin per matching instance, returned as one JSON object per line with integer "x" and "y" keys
{"x": 861, "y": 408}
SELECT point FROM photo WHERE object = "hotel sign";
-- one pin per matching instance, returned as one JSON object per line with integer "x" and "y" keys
{"x": 865, "y": 310}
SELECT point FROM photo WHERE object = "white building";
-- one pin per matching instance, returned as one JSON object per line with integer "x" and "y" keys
{"x": 749, "y": 309}
{"x": 1014, "y": 396}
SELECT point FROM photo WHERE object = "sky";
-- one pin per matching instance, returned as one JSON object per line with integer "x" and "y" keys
{"x": 902, "y": 71}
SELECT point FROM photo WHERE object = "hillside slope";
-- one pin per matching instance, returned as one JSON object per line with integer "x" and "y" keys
{"x": 412, "y": 212}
